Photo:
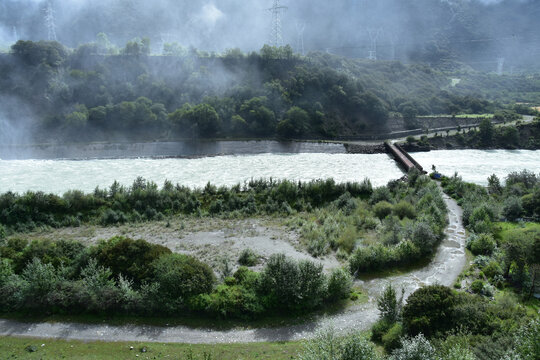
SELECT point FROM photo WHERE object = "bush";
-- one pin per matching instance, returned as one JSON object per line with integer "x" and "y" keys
{"x": 248, "y": 258}
{"x": 380, "y": 328}
{"x": 391, "y": 340}
{"x": 2, "y": 234}
{"x": 423, "y": 237}
{"x": 181, "y": 277}
{"x": 131, "y": 258}
{"x": 328, "y": 345}
{"x": 388, "y": 305}
{"x": 477, "y": 286}
{"x": 404, "y": 209}
{"x": 429, "y": 310}
{"x": 512, "y": 208}
{"x": 482, "y": 244}
{"x": 339, "y": 284}
{"x": 382, "y": 209}
{"x": 416, "y": 348}
{"x": 227, "y": 301}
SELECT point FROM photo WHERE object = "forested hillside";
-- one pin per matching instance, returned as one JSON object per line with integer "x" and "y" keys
{"x": 86, "y": 95}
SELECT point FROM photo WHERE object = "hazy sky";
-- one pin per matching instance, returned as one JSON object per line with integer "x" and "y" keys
{"x": 347, "y": 26}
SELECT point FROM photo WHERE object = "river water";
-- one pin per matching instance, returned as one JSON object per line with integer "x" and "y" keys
{"x": 58, "y": 176}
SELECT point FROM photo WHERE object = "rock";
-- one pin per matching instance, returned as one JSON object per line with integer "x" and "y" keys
{"x": 144, "y": 349}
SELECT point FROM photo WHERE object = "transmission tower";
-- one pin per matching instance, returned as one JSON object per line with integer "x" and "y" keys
{"x": 276, "y": 36}
{"x": 374, "y": 37}
{"x": 14, "y": 33}
{"x": 500, "y": 65}
{"x": 300, "y": 28}
{"x": 50, "y": 22}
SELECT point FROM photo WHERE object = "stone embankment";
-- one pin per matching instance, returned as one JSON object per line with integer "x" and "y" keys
{"x": 365, "y": 148}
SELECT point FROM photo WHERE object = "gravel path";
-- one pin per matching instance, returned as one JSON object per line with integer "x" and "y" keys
{"x": 447, "y": 264}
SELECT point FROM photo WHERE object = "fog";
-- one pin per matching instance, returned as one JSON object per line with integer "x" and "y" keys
{"x": 472, "y": 30}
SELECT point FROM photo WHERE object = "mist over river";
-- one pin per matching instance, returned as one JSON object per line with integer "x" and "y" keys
{"x": 58, "y": 176}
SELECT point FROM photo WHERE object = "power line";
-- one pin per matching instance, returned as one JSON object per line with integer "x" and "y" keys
{"x": 50, "y": 22}
{"x": 276, "y": 36}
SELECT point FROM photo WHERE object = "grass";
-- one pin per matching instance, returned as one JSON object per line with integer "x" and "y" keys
{"x": 504, "y": 228}
{"x": 15, "y": 348}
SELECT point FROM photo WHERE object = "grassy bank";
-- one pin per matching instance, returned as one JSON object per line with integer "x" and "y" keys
{"x": 11, "y": 347}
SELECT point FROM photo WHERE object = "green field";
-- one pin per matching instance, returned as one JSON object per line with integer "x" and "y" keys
{"x": 18, "y": 348}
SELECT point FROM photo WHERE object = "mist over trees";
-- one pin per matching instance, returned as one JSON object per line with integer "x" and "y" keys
{"x": 474, "y": 31}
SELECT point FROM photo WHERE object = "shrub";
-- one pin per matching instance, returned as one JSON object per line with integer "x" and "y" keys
{"x": 248, "y": 258}
{"x": 2, "y": 234}
{"x": 391, "y": 340}
{"x": 312, "y": 284}
{"x": 131, "y": 258}
{"x": 380, "y": 194}
{"x": 423, "y": 237}
{"x": 416, "y": 348}
{"x": 339, "y": 284}
{"x": 181, "y": 277}
{"x": 404, "y": 209}
{"x": 429, "y": 310}
{"x": 388, "y": 305}
{"x": 482, "y": 244}
{"x": 6, "y": 270}
{"x": 477, "y": 286}
{"x": 328, "y": 345}
{"x": 380, "y": 328}
{"x": 382, "y": 209}
{"x": 512, "y": 209}
{"x": 229, "y": 301}
{"x": 279, "y": 279}
{"x": 41, "y": 278}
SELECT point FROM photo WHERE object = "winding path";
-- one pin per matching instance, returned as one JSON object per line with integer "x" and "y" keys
{"x": 444, "y": 269}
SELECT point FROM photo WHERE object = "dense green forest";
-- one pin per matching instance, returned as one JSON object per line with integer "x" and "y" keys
{"x": 50, "y": 92}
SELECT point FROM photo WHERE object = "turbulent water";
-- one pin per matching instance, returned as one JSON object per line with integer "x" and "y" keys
{"x": 476, "y": 165}
{"x": 58, "y": 176}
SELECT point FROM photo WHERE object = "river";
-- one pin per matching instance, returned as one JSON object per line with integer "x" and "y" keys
{"x": 58, "y": 176}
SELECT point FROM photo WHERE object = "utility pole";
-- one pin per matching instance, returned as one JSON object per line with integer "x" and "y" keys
{"x": 374, "y": 37}
{"x": 50, "y": 22}
{"x": 276, "y": 36}
{"x": 500, "y": 66}
{"x": 300, "y": 28}
{"x": 14, "y": 33}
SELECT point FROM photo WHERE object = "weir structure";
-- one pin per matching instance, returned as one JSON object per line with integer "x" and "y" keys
{"x": 403, "y": 158}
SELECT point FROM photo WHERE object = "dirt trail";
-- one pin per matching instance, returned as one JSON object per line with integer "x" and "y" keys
{"x": 444, "y": 269}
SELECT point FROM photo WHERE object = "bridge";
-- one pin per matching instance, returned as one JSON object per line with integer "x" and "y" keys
{"x": 403, "y": 158}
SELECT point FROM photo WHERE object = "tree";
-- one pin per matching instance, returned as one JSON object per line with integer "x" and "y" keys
{"x": 260, "y": 119}
{"x": 295, "y": 123}
{"x": 388, "y": 304}
{"x": 181, "y": 277}
{"x": 494, "y": 185}
{"x": 409, "y": 114}
{"x": 429, "y": 310}
{"x": 130, "y": 258}
{"x": 486, "y": 132}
